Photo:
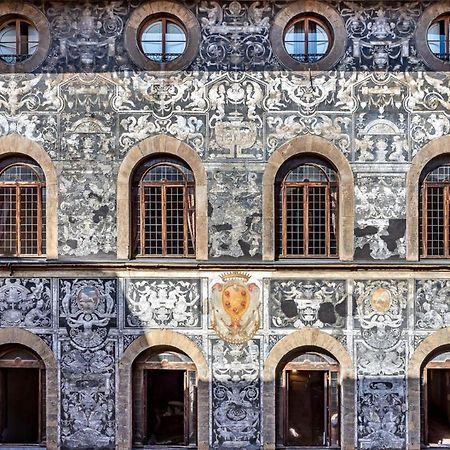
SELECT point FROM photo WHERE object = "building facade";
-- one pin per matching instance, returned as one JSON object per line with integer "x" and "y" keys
{"x": 244, "y": 242}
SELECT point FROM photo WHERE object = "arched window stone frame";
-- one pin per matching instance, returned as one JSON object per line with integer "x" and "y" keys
{"x": 35, "y": 343}
{"x": 320, "y": 147}
{"x": 162, "y": 145}
{"x": 438, "y": 147}
{"x": 12, "y": 145}
{"x": 310, "y": 339}
{"x": 161, "y": 340}
{"x": 429, "y": 346}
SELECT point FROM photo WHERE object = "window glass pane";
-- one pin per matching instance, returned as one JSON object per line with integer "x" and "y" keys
{"x": 436, "y": 38}
{"x": 8, "y": 40}
{"x": 20, "y": 173}
{"x": 8, "y": 229}
{"x": 306, "y": 45}
{"x": 151, "y": 40}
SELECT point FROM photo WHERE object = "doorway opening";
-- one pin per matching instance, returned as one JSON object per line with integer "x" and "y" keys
{"x": 436, "y": 401}
{"x": 164, "y": 400}
{"x": 308, "y": 402}
{"x": 22, "y": 394}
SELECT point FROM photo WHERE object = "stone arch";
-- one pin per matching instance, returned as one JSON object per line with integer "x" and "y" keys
{"x": 310, "y": 338}
{"x": 162, "y": 339}
{"x": 35, "y": 343}
{"x": 320, "y": 147}
{"x": 423, "y": 352}
{"x": 437, "y": 147}
{"x": 13, "y": 144}
{"x": 161, "y": 144}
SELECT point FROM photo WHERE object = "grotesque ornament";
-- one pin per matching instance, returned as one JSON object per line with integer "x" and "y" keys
{"x": 235, "y": 308}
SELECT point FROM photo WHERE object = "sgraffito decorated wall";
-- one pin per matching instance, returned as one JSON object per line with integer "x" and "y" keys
{"x": 88, "y": 104}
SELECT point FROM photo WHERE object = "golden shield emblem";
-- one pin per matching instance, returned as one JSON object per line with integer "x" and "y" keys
{"x": 235, "y": 308}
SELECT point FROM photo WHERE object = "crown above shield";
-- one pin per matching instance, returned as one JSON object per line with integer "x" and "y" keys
{"x": 235, "y": 276}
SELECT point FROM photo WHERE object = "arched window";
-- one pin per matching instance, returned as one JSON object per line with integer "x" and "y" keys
{"x": 308, "y": 401}
{"x": 307, "y": 209}
{"x": 164, "y": 399}
{"x": 435, "y": 211}
{"x": 22, "y": 208}
{"x": 436, "y": 400}
{"x": 164, "y": 209}
{"x": 22, "y": 396}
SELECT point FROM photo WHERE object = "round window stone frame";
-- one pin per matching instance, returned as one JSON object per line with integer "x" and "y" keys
{"x": 159, "y": 8}
{"x": 40, "y": 22}
{"x": 423, "y": 49}
{"x": 328, "y": 16}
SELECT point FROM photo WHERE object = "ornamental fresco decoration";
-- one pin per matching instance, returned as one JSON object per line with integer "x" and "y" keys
{"x": 381, "y": 413}
{"x": 25, "y": 302}
{"x": 163, "y": 303}
{"x": 309, "y": 303}
{"x": 235, "y": 307}
{"x": 87, "y": 310}
{"x": 432, "y": 304}
{"x": 88, "y": 397}
{"x": 381, "y": 307}
{"x": 236, "y": 395}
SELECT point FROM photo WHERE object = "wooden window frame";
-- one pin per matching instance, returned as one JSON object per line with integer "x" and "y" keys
{"x": 21, "y": 46}
{"x": 446, "y": 19}
{"x": 165, "y": 19}
{"x": 139, "y": 380}
{"x": 305, "y": 186}
{"x": 307, "y": 18}
{"x": 445, "y": 186}
{"x": 39, "y": 186}
{"x": 188, "y": 188}
{"x": 34, "y": 363}
{"x": 328, "y": 369}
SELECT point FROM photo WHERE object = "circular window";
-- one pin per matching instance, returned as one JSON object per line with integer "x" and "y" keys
{"x": 433, "y": 36}
{"x": 19, "y": 40}
{"x": 308, "y": 35}
{"x": 438, "y": 37}
{"x": 163, "y": 39}
{"x": 307, "y": 39}
{"x": 24, "y": 37}
{"x": 162, "y": 35}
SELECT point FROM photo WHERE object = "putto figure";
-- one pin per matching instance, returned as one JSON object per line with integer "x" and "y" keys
{"x": 235, "y": 305}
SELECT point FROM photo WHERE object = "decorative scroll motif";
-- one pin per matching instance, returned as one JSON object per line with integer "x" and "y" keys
{"x": 235, "y": 35}
{"x": 382, "y": 37}
{"x": 163, "y": 303}
{"x": 236, "y": 395}
{"x": 381, "y": 308}
{"x": 235, "y": 223}
{"x": 87, "y": 223}
{"x": 87, "y": 397}
{"x": 375, "y": 362}
{"x": 86, "y": 35}
{"x": 381, "y": 413}
{"x": 25, "y": 302}
{"x": 312, "y": 303}
{"x": 235, "y": 307}
{"x": 432, "y": 304}
{"x": 88, "y": 310}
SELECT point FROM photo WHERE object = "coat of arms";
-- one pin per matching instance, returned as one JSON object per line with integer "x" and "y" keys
{"x": 235, "y": 308}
